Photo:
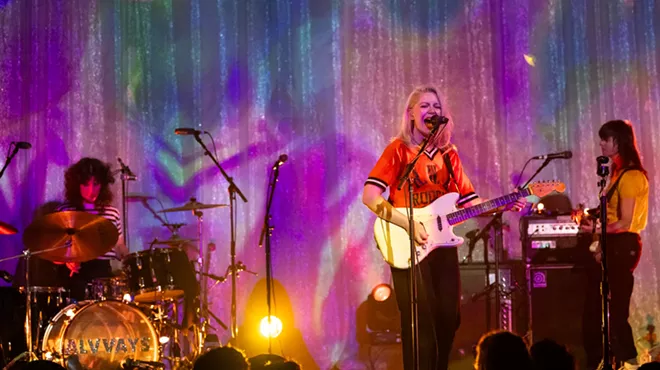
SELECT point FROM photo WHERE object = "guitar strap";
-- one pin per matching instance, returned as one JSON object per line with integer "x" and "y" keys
{"x": 445, "y": 157}
{"x": 610, "y": 192}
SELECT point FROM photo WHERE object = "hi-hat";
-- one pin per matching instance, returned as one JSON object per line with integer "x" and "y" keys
{"x": 7, "y": 229}
{"x": 85, "y": 235}
{"x": 193, "y": 205}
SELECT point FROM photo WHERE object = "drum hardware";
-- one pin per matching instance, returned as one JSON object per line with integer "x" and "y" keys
{"x": 28, "y": 299}
{"x": 101, "y": 335}
{"x": 85, "y": 236}
{"x": 233, "y": 190}
{"x": 70, "y": 236}
{"x": 173, "y": 241}
{"x": 126, "y": 176}
{"x": 192, "y": 205}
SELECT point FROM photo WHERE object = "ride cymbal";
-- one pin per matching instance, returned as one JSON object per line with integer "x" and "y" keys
{"x": 193, "y": 205}
{"x": 85, "y": 235}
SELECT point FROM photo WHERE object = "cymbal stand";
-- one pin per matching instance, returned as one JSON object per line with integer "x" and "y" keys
{"x": 126, "y": 176}
{"x": 28, "y": 302}
{"x": 233, "y": 191}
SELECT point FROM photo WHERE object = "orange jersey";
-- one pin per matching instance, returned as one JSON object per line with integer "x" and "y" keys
{"x": 430, "y": 176}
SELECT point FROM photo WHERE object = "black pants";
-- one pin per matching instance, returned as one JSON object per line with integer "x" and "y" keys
{"x": 438, "y": 286}
{"x": 623, "y": 252}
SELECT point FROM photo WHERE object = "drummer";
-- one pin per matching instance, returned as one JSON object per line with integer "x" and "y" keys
{"x": 87, "y": 188}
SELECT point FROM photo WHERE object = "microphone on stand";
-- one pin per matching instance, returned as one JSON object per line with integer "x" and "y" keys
{"x": 187, "y": 131}
{"x": 126, "y": 171}
{"x": 561, "y": 155}
{"x": 280, "y": 160}
{"x": 22, "y": 144}
{"x": 436, "y": 120}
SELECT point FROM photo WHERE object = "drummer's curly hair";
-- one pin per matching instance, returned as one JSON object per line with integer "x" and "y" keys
{"x": 80, "y": 173}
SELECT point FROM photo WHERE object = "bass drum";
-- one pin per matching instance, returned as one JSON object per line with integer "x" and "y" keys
{"x": 101, "y": 335}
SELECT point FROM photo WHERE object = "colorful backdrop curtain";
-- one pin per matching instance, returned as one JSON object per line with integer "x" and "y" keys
{"x": 324, "y": 82}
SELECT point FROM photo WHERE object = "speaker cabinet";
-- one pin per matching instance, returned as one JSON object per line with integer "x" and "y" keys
{"x": 478, "y": 307}
{"x": 556, "y": 304}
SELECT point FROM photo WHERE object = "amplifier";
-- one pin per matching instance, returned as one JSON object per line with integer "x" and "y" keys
{"x": 552, "y": 240}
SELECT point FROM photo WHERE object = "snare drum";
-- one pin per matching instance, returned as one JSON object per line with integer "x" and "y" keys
{"x": 101, "y": 335}
{"x": 158, "y": 274}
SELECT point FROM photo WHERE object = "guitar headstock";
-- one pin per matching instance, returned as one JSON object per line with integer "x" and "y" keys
{"x": 543, "y": 188}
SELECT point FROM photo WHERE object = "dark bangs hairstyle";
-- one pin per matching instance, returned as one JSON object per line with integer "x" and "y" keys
{"x": 80, "y": 173}
{"x": 624, "y": 137}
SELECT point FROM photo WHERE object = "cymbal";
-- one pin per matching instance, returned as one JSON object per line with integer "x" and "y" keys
{"x": 7, "y": 229}
{"x": 192, "y": 206}
{"x": 174, "y": 241}
{"x": 138, "y": 197}
{"x": 89, "y": 236}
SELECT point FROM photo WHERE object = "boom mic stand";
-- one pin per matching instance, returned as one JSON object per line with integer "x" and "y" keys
{"x": 233, "y": 190}
{"x": 8, "y": 161}
{"x": 405, "y": 177}
{"x": 603, "y": 171}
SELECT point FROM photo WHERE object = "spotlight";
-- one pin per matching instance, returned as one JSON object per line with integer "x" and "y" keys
{"x": 273, "y": 330}
{"x": 383, "y": 322}
{"x": 381, "y": 292}
{"x": 540, "y": 207}
{"x": 164, "y": 339}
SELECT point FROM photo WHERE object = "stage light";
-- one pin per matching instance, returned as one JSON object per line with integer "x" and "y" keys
{"x": 164, "y": 339}
{"x": 273, "y": 330}
{"x": 383, "y": 312}
{"x": 381, "y": 292}
{"x": 540, "y": 207}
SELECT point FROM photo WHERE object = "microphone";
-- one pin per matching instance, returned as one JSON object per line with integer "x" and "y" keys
{"x": 436, "y": 120}
{"x": 126, "y": 171}
{"x": 561, "y": 155}
{"x": 4, "y": 275}
{"x": 187, "y": 131}
{"x": 603, "y": 160}
{"x": 280, "y": 161}
{"x": 22, "y": 144}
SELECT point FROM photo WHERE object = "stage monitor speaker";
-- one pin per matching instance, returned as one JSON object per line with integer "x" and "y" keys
{"x": 556, "y": 304}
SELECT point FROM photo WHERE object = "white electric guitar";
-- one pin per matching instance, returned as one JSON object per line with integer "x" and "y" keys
{"x": 439, "y": 219}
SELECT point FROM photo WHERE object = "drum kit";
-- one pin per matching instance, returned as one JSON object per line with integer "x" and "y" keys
{"x": 131, "y": 320}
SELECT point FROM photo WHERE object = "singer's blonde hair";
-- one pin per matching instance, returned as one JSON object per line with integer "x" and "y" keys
{"x": 407, "y": 125}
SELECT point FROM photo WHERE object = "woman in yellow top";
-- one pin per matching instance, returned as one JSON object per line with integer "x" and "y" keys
{"x": 627, "y": 211}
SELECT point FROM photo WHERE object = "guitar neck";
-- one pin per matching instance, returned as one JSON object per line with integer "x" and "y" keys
{"x": 467, "y": 213}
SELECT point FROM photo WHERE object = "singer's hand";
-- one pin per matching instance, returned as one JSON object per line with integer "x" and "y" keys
{"x": 518, "y": 205}
{"x": 419, "y": 233}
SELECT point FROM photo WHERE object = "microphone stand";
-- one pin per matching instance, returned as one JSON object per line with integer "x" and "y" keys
{"x": 405, "y": 177}
{"x": 9, "y": 158}
{"x": 603, "y": 171}
{"x": 529, "y": 297}
{"x": 266, "y": 234}
{"x": 233, "y": 190}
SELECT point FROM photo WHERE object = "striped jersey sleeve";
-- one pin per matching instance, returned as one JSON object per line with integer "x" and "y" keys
{"x": 388, "y": 167}
{"x": 465, "y": 187}
{"x": 109, "y": 212}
